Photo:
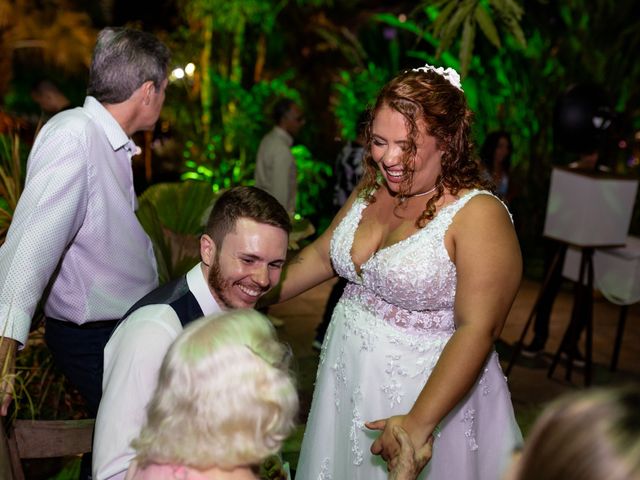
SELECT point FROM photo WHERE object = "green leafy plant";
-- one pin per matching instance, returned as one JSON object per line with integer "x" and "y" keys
{"x": 355, "y": 91}
{"x": 312, "y": 179}
{"x": 228, "y": 156}
{"x": 44, "y": 392}
{"x": 448, "y": 21}
{"x": 173, "y": 215}
{"x": 11, "y": 179}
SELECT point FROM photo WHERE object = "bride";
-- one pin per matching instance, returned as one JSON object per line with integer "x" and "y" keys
{"x": 433, "y": 266}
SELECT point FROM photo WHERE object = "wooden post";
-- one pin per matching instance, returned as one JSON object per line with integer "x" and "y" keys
{"x": 5, "y": 460}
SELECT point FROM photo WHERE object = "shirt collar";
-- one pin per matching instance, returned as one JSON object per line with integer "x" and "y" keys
{"x": 286, "y": 136}
{"x": 115, "y": 134}
{"x": 198, "y": 285}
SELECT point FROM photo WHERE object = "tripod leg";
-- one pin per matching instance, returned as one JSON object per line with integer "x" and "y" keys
{"x": 616, "y": 346}
{"x": 589, "y": 319}
{"x": 557, "y": 263}
{"x": 573, "y": 329}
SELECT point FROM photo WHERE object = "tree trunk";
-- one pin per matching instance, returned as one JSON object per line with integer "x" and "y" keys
{"x": 206, "y": 87}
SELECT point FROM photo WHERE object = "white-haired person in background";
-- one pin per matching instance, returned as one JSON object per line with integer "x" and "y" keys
{"x": 225, "y": 401}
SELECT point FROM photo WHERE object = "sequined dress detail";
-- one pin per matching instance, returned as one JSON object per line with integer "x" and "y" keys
{"x": 386, "y": 335}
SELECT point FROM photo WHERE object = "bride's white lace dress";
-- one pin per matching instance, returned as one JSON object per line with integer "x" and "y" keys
{"x": 386, "y": 335}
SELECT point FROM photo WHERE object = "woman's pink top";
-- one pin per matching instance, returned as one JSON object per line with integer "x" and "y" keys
{"x": 166, "y": 472}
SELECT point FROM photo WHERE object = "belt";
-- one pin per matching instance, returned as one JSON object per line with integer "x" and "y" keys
{"x": 85, "y": 326}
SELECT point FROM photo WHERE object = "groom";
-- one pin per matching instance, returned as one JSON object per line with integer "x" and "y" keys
{"x": 242, "y": 251}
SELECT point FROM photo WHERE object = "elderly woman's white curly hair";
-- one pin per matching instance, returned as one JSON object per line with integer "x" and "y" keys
{"x": 224, "y": 398}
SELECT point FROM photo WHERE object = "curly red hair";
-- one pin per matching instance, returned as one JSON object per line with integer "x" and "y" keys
{"x": 429, "y": 97}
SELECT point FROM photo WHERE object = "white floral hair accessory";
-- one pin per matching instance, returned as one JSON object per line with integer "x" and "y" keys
{"x": 449, "y": 74}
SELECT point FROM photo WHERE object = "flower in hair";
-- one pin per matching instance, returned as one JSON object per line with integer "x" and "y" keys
{"x": 449, "y": 74}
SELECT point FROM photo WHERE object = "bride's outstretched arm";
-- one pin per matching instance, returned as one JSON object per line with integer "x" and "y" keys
{"x": 485, "y": 250}
{"x": 312, "y": 265}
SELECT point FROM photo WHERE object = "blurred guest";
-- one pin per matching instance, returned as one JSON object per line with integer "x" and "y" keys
{"x": 348, "y": 166}
{"x": 275, "y": 164}
{"x": 496, "y": 161}
{"x": 589, "y": 435}
{"x": 50, "y": 99}
{"x": 348, "y": 171}
{"x": 225, "y": 401}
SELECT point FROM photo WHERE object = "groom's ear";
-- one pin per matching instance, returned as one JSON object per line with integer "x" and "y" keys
{"x": 208, "y": 250}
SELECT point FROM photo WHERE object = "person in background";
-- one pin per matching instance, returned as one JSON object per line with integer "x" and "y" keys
{"x": 50, "y": 99}
{"x": 348, "y": 172}
{"x": 243, "y": 250}
{"x": 276, "y": 170}
{"x": 589, "y": 435}
{"x": 348, "y": 165}
{"x": 224, "y": 402}
{"x": 433, "y": 265}
{"x": 495, "y": 155}
{"x": 62, "y": 248}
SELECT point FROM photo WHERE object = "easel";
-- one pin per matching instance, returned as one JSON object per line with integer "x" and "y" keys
{"x": 581, "y": 213}
{"x": 583, "y": 295}
{"x": 580, "y": 317}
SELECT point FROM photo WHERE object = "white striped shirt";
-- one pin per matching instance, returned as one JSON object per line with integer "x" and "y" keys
{"x": 75, "y": 228}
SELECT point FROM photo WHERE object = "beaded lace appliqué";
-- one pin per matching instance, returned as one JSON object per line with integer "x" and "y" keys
{"x": 339, "y": 371}
{"x": 484, "y": 383}
{"x": 469, "y": 418}
{"x": 393, "y": 388}
{"x": 356, "y": 426}
{"x": 324, "y": 470}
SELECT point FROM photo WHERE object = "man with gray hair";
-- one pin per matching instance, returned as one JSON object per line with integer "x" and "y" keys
{"x": 75, "y": 245}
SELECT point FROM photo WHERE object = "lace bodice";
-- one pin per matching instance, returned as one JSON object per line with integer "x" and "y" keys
{"x": 412, "y": 283}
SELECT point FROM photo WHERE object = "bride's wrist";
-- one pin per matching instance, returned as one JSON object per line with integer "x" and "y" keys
{"x": 419, "y": 423}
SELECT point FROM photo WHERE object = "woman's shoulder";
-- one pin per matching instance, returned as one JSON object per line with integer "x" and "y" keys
{"x": 480, "y": 207}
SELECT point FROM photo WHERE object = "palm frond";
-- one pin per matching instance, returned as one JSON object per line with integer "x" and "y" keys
{"x": 466, "y": 44}
{"x": 469, "y": 16}
{"x": 450, "y": 30}
{"x": 487, "y": 26}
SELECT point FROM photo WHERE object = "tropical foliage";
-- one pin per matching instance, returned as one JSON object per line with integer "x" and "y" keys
{"x": 41, "y": 390}
{"x": 12, "y": 162}
{"x": 173, "y": 215}
{"x": 47, "y": 32}
{"x": 355, "y": 91}
{"x": 449, "y": 17}
{"x": 515, "y": 87}
{"x": 222, "y": 111}
{"x": 227, "y": 156}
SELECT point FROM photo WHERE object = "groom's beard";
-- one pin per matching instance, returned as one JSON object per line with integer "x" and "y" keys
{"x": 218, "y": 284}
{"x": 225, "y": 289}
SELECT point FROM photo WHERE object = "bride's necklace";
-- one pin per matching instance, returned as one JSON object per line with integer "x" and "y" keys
{"x": 421, "y": 194}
